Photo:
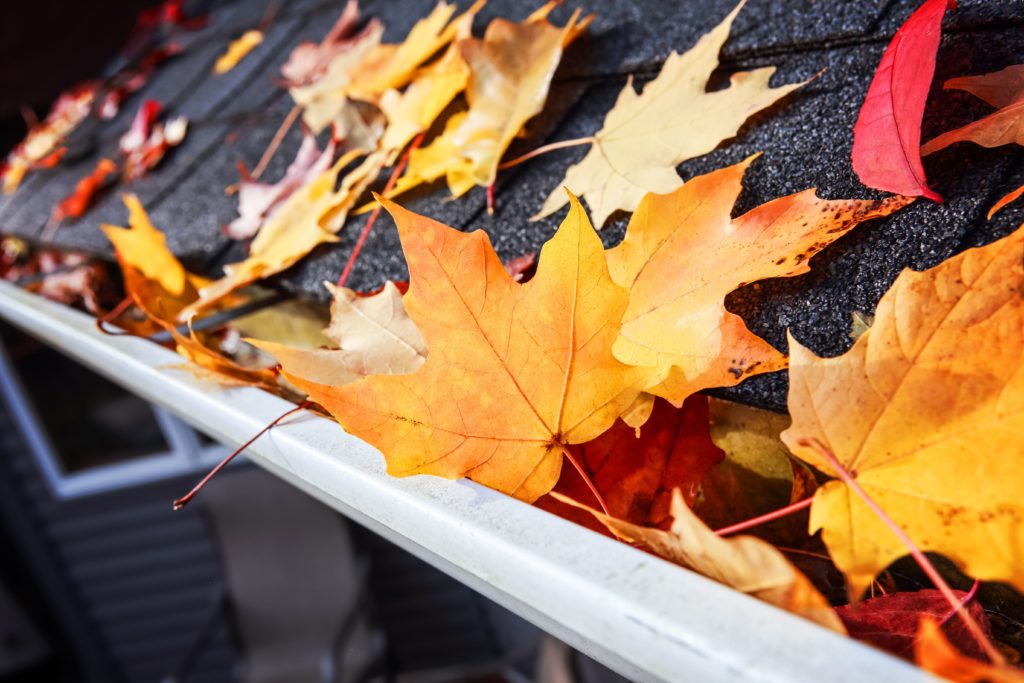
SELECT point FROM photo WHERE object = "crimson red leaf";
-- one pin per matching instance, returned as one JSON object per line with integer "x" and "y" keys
{"x": 891, "y": 621}
{"x": 887, "y": 135}
{"x": 636, "y": 473}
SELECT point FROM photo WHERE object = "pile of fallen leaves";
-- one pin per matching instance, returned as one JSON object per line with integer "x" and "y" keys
{"x": 574, "y": 380}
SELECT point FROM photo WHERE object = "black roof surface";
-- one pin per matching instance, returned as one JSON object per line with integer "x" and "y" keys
{"x": 806, "y": 140}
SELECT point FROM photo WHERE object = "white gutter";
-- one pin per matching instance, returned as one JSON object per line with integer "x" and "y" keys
{"x": 646, "y": 618}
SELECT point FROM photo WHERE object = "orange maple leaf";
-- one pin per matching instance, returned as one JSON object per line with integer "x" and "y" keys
{"x": 515, "y": 372}
{"x": 682, "y": 254}
{"x": 925, "y": 413}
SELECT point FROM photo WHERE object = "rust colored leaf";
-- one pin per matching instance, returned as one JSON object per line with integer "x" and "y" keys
{"x": 676, "y": 321}
{"x": 887, "y": 135}
{"x": 926, "y": 413}
{"x": 515, "y": 373}
{"x": 745, "y": 563}
{"x": 635, "y": 470}
{"x": 1009, "y": 198}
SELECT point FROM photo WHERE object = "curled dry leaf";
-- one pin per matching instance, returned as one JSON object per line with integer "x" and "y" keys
{"x": 374, "y": 335}
{"x": 676, "y": 321}
{"x": 75, "y": 204}
{"x": 891, "y": 621}
{"x": 636, "y": 470}
{"x": 887, "y": 136}
{"x": 1003, "y": 89}
{"x": 745, "y": 563}
{"x": 933, "y": 652}
{"x": 258, "y": 201}
{"x": 925, "y": 411}
{"x": 41, "y": 147}
{"x": 237, "y": 51}
{"x": 309, "y": 217}
{"x": 510, "y": 73}
{"x": 646, "y": 135}
{"x": 219, "y": 368}
{"x": 516, "y": 372}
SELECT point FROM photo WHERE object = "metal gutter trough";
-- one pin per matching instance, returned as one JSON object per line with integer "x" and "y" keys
{"x": 647, "y": 619}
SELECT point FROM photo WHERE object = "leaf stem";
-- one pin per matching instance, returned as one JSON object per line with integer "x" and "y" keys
{"x": 922, "y": 560}
{"x": 490, "y": 199}
{"x": 113, "y": 315}
{"x": 397, "y": 171}
{"x": 544, "y": 149}
{"x": 187, "y": 498}
{"x": 964, "y": 602}
{"x": 282, "y": 130}
{"x": 768, "y": 517}
{"x": 586, "y": 479}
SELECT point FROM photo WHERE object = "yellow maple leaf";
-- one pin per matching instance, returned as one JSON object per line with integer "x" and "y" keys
{"x": 926, "y": 412}
{"x": 309, "y": 217}
{"x": 144, "y": 248}
{"x": 745, "y": 563}
{"x": 515, "y": 371}
{"x": 510, "y": 73}
{"x": 646, "y": 135}
{"x": 682, "y": 254}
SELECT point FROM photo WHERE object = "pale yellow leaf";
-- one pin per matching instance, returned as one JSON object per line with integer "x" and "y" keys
{"x": 646, "y": 135}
